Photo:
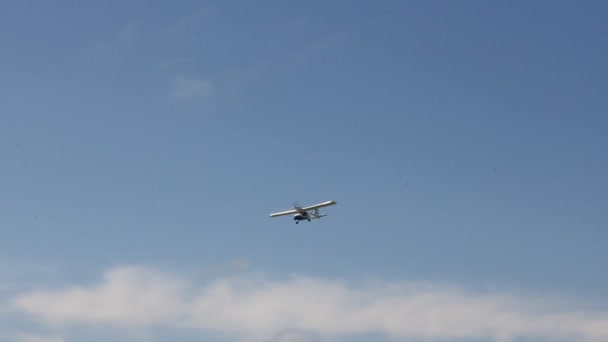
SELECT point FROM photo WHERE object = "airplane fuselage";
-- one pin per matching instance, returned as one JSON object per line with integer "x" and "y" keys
{"x": 301, "y": 216}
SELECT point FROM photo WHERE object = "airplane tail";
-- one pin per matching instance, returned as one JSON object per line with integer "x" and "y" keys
{"x": 317, "y": 215}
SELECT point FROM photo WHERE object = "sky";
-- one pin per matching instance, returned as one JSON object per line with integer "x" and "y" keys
{"x": 145, "y": 143}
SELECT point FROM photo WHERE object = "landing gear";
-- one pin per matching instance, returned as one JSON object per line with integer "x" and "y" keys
{"x": 297, "y": 222}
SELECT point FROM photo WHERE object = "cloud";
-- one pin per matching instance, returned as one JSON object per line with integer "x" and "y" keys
{"x": 185, "y": 88}
{"x": 300, "y": 308}
{"x": 295, "y": 336}
{"x": 334, "y": 308}
{"x": 24, "y": 337}
{"x": 127, "y": 296}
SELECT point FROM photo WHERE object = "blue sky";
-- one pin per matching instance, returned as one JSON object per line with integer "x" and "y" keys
{"x": 145, "y": 143}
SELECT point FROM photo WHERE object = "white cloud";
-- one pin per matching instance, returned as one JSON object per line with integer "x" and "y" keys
{"x": 272, "y": 309}
{"x": 126, "y": 296}
{"x": 25, "y": 337}
{"x": 184, "y": 88}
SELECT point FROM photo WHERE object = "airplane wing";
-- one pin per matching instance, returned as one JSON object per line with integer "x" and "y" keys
{"x": 288, "y": 212}
{"x": 320, "y": 205}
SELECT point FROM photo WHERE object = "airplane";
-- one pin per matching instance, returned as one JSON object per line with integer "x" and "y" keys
{"x": 306, "y": 213}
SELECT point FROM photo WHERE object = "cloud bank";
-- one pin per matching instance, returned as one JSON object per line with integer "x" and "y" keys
{"x": 255, "y": 306}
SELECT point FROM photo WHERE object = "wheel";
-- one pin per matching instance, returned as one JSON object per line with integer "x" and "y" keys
{"x": 297, "y": 222}
{"x": 308, "y": 220}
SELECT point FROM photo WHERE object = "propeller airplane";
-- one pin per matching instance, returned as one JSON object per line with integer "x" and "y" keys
{"x": 306, "y": 213}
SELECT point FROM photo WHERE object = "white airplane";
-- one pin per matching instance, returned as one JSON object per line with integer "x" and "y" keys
{"x": 306, "y": 213}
